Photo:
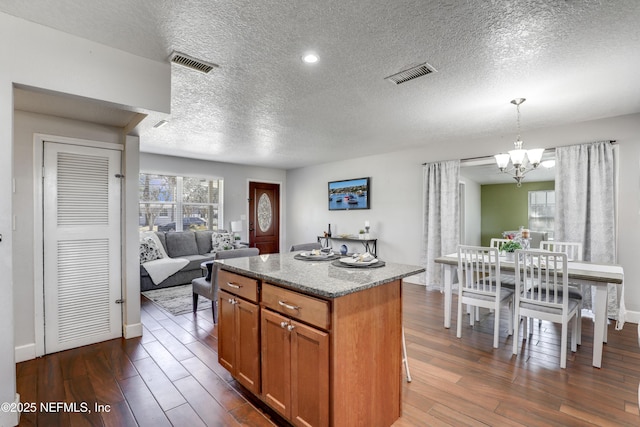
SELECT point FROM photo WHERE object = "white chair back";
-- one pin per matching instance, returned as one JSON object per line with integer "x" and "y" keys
{"x": 572, "y": 249}
{"x": 479, "y": 270}
{"x": 541, "y": 278}
{"x": 497, "y": 243}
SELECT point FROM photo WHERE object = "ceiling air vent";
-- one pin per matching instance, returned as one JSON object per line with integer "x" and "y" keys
{"x": 191, "y": 62}
{"x": 411, "y": 73}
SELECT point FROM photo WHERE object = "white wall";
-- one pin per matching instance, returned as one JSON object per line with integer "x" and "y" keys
{"x": 132, "y": 325}
{"x": 396, "y": 206}
{"x": 40, "y": 57}
{"x": 396, "y": 199}
{"x": 473, "y": 219}
{"x": 236, "y": 183}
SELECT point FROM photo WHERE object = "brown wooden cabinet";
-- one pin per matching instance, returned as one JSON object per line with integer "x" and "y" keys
{"x": 295, "y": 369}
{"x": 239, "y": 339}
{"x": 318, "y": 362}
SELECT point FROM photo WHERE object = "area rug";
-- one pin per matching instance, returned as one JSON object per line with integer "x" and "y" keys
{"x": 176, "y": 299}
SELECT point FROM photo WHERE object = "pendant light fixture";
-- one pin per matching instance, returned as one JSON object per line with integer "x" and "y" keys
{"x": 522, "y": 161}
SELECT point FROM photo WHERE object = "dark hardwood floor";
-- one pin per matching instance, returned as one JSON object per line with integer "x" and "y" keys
{"x": 171, "y": 376}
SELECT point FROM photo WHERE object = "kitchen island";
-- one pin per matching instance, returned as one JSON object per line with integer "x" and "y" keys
{"x": 319, "y": 343}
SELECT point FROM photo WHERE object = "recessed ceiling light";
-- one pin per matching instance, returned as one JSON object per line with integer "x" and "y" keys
{"x": 161, "y": 123}
{"x": 310, "y": 58}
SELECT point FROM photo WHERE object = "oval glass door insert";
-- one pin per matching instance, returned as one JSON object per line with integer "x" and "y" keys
{"x": 264, "y": 213}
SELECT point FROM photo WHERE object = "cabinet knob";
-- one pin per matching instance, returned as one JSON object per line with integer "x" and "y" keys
{"x": 232, "y": 301}
{"x": 283, "y": 324}
{"x": 290, "y": 328}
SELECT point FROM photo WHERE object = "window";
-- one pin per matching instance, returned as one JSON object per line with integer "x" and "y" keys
{"x": 542, "y": 206}
{"x": 179, "y": 203}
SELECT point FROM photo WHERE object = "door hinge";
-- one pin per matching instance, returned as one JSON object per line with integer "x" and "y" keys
{"x": 120, "y": 301}
{"x": 119, "y": 175}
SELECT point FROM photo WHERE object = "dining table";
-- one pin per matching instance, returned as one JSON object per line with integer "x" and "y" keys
{"x": 597, "y": 275}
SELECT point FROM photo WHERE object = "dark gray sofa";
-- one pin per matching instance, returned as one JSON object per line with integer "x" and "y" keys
{"x": 194, "y": 246}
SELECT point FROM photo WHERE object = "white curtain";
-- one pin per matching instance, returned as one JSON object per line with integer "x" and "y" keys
{"x": 586, "y": 207}
{"x": 440, "y": 216}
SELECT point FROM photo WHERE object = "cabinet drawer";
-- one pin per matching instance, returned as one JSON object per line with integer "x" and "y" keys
{"x": 296, "y": 305}
{"x": 236, "y": 284}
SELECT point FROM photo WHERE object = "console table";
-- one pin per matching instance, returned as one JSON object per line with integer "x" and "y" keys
{"x": 370, "y": 245}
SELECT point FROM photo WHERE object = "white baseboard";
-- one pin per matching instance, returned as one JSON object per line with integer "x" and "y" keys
{"x": 28, "y": 351}
{"x": 25, "y": 352}
{"x": 632, "y": 317}
{"x": 132, "y": 331}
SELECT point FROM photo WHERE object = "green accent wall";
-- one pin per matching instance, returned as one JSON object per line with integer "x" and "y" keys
{"x": 505, "y": 207}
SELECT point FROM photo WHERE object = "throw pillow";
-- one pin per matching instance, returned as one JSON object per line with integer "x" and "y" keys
{"x": 149, "y": 250}
{"x": 151, "y": 234}
{"x": 221, "y": 242}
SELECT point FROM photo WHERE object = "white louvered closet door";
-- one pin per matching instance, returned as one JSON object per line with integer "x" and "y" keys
{"x": 81, "y": 246}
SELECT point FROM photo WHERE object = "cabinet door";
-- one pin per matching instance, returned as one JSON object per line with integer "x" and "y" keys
{"x": 276, "y": 362}
{"x": 247, "y": 357}
{"x": 226, "y": 331}
{"x": 309, "y": 376}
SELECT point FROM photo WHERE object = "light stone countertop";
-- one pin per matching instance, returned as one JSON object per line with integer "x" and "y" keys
{"x": 318, "y": 278}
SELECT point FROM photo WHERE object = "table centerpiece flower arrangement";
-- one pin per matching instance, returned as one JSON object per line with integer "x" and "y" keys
{"x": 509, "y": 248}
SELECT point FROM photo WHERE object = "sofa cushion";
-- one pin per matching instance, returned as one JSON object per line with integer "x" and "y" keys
{"x": 181, "y": 243}
{"x": 203, "y": 240}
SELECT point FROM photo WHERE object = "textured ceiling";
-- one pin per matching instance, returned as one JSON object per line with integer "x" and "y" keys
{"x": 573, "y": 61}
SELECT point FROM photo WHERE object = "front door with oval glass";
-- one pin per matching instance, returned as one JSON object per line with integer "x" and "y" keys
{"x": 264, "y": 217}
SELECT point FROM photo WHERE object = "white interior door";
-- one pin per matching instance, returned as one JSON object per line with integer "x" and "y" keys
{"x": 82, "y": 239}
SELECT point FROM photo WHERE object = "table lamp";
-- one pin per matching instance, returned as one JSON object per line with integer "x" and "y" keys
{"x": 236, "y": 228}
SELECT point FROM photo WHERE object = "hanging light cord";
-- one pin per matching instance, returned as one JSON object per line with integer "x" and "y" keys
{"x": 518, "y": 119}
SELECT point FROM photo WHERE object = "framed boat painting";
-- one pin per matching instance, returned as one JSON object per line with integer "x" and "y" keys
{"x": 350, "y": 194}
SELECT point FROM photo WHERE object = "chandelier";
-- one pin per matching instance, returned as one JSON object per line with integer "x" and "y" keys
{"x": 522, "y": 161}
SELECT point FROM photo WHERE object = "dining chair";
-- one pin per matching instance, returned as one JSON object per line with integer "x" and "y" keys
{"x": 497, "y": 243}
{"x": 574, "y": 253}
{"x": 572, "y": 249}
{"x": 479, "y": 286}
{"x": 542, "y": 293}
{"x": 505, "y": 281}
{"x": 207, "y": 286}
{"x": 305, "y": 247}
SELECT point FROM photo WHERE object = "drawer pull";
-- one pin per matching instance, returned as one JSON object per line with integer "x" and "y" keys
{"x": 289, "y": 306}
{"x": 231, "y": 285}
